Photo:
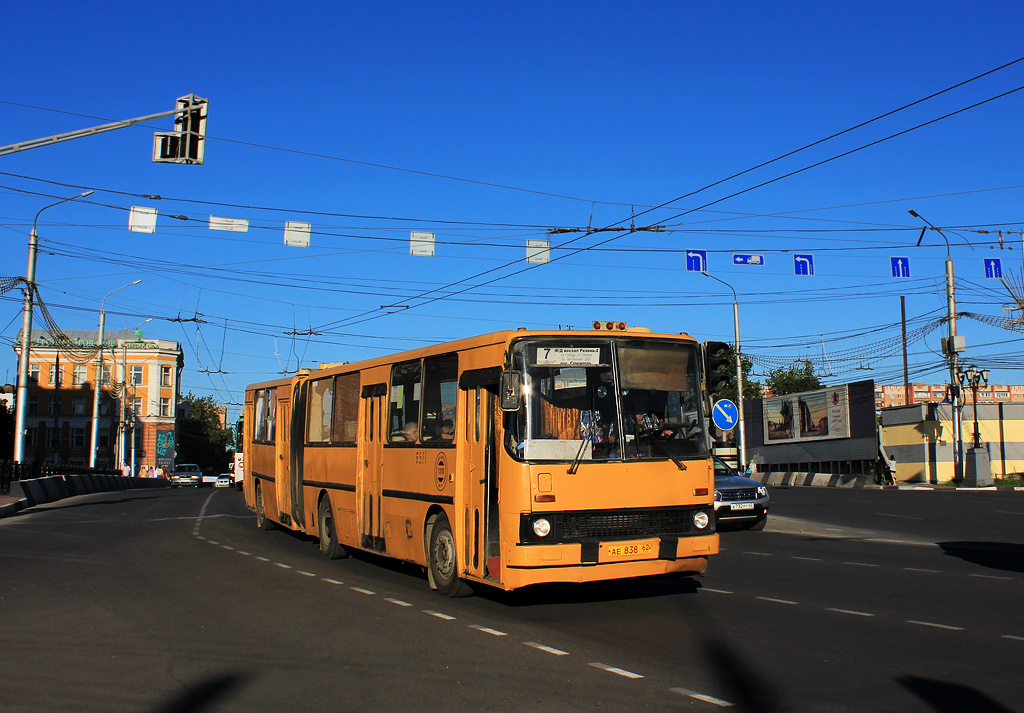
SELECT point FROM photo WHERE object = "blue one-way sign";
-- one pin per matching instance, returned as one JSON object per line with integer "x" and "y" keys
{"x": 993, "y": 268}
{"x": 803, "y": 264}
{"x": 900, "y": 266}
{"x": 696, "y": 260}
{"x": 747, "y": 259}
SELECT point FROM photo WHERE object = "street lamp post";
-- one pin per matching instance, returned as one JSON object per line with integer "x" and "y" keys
{"x": 21, "y": 407}
{"x": 99, "y": 378}
{"x": 741, "y": 440}
{"x": 951, "y": 354}
{"x": 974, "y": 377}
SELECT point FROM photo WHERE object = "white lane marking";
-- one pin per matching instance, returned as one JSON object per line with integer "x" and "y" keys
{"x": 242, "y": 552}
{"x": 904, "y": 517}
{"x": 777, "y": 601}
{"x": 213, "y": 542}
{"x": 807, "y": 559}
{"x": 703, "y": 697}
{"x": 988, "y": 576}
{"x": 935, "y": 626}
{"x": 399, "y": 602}
{"x": 282, "y": 565}
{"x": 307, "y": 574}
{"x": 613, "y": 669}
{"x": 487, "y": 630}
{"x": 262, "y": 559}
{"x": 1009, "y": 512}
{"x": 1012, "y": 637}
{"x": 361, "y": 590}
{"x": 759, "y": 554}
{"x": 926, "y": 571}
{"x": 848, "y": 611}
{"x": 200, "y": 537}
{"x": 438, "y": 614}
{"x": 716, "y": 591}
{"x": 860, "y": 564}
{"x": 546, "y": 649}
{"x": 332, "y": 581}
{"x": 227, "y": 547}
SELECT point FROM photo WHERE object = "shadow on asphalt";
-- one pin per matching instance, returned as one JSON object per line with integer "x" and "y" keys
{"x": 204, "y": 695}
{"x": 1005, "y": 556}
{"x": 946, "y": 697}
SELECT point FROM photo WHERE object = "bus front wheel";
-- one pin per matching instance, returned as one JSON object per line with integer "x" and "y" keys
{"x": 444, "y": 567}
{"x": 328, "y": 535}
{"x": 261, "y": 513}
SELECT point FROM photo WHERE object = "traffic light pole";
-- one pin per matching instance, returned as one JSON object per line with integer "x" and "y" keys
{"x": 741, "y": 438}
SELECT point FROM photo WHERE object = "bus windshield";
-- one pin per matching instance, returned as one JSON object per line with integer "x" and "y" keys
{"x": 607, "y": 399}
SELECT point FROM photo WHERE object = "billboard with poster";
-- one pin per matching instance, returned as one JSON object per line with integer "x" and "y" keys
{"x": 807, "y": 416}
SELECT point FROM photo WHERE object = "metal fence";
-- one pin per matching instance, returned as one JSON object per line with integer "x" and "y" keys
{"x": 11, "y": 471}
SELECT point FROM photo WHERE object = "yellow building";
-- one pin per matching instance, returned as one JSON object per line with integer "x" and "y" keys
{"x": 139, "y": 393}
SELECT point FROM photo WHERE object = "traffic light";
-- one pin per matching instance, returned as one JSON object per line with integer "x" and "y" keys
{"x": 187, "y": 143}
{"x": 719, "y": 366}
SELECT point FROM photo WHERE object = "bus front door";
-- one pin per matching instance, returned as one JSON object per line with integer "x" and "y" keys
{"x": 371, "y": 466}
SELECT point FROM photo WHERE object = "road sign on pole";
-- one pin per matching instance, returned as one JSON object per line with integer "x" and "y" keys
{"x": 803, "y": 264}
{"x": 900, "y": 266}
{"x": 747, "y": 259}
{"x": 993, "y": 268}
{"x": 696, "y": 260}
{"x": 725, "y": 415}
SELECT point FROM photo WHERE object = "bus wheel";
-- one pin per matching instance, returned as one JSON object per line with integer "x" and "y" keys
{"x": 328, "y": 535}
{"x": 444, "y": 567}
{"x": 261, "y": 514}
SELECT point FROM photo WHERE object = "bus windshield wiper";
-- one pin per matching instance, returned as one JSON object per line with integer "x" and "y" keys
{"x": 579, "y": 455}
{"x": 649, "y": 435}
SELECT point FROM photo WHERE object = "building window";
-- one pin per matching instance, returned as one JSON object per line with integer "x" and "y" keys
{"x": 105, "y": 377}
{"x": 31, "y": 437}
{"x": 165, "y": 406}
{"x": 50, "y": 433}
{"x": 1002, "y": 394}
{"x": 56, "y": 405}
{"x": 33, "y": 405}
{"x": 78, "y": 406}
{"x": 79, "y": 375}
{"x": 33, "y": 373}
{"x": 165, "y": 376}
{"x": 78, "y": 438}
{"x": 103, "y": 439}
{"x": 56, "y": 375}
{"x": 105, "y": 402}
{"x": 136, "y": 374}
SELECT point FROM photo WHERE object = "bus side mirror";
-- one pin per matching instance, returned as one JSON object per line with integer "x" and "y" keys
{"x": 510, "y": 390}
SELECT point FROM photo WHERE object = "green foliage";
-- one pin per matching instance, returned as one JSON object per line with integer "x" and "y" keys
{"x": 796, "y": 378}
{"x": 751, "y": 389}
{"x": 201, "y": 438}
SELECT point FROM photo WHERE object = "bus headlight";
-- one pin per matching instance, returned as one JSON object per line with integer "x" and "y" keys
{"x": 700, "y": 519}
{"x": 541, "y": 527}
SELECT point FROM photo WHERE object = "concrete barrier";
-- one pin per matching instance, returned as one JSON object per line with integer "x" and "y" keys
{"x": 816, "y": 480}
{"x": 39, "y": 491}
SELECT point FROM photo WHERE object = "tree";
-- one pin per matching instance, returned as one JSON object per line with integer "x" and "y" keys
{"x": 793, "y": 379}
{"x": 751, "y": 389}
{"x": 201, "y": 438}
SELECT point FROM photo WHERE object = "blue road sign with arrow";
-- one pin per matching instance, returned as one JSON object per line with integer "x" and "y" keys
{"x": 696, "y": 260}
{"x": 900, "y": 266}
{"x": 993, "y": 268}
{"x": 803, "y": 264}
{"x": 747, "y": 259}
{"x": 725, "y": 414}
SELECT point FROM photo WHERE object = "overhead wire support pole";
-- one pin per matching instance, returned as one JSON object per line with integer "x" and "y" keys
{"x": 81, "y": 133}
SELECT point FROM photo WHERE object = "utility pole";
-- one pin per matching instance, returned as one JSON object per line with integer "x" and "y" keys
{"x": 741, "y": 438}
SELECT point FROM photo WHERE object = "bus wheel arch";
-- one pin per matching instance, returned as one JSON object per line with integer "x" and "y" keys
{"x": 327, "y": 531}
{"x": 442, "y": 557}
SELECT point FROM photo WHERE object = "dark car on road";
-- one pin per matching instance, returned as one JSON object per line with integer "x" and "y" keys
{"x": 738, "y": 499}
{"x": 186, "y": 474}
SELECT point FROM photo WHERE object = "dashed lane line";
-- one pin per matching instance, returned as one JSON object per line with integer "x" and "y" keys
{"x": 807, "y": 559}
{"x": 715, "y": 591}
{"x": 861, "y": 564}
{"x": 703, "y": 697}
{"x": 439, "y": 615}
{"x": 989, "y": 576}
{"x": 332, "y": 581}
{"x": 546, "y": 649}
{"x": 399, "y": 602}
{"x": 282, "y": 565}
{"x": 1012, "y": 637}
{"x": 487, "y": 630}
{"x": 777, "y": 601}
{"x": 922, "y": 571}
{"x": 934, "y": 625}
{"x": 304, "y": 574}
{"x": 262, "y": 559}
{"x": 848, "y": 611}
{"x": 362, "y": 591}
{"x": 615, "y": 670}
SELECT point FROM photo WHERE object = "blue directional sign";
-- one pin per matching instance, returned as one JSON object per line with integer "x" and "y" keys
{"x": 747, "y": 259}
{"x": 900, "y": 266}
{"x": 696, "y": 260}
{"x": 993, "y": 268}
{"x": 725, "y": 414}
{"x": 803, "y": 264}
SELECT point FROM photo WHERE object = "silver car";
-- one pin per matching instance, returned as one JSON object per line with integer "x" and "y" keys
{"x": 739, "y": 499}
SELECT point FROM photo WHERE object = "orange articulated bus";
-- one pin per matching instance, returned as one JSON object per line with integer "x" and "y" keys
{"x": 509, "y": 459}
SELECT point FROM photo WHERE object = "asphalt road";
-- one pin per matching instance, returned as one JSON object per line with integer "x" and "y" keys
{"x": 170, "y": 601}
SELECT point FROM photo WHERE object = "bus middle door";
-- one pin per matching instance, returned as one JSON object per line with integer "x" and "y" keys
{"x": 371, "y": 466}
{"x": 479, "y": 487}
{"x": 282, "y": 476}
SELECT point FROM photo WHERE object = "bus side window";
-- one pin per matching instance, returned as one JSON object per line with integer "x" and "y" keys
{"x": 440, "y": 386}
{"x": 404, "y": 415}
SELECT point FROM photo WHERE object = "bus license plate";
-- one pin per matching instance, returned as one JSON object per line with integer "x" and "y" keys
{"x": 743, "y": 506}
{"x": 633, "y": 550}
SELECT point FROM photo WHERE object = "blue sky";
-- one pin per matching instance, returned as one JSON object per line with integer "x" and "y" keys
{"x": 489, "y": 124}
